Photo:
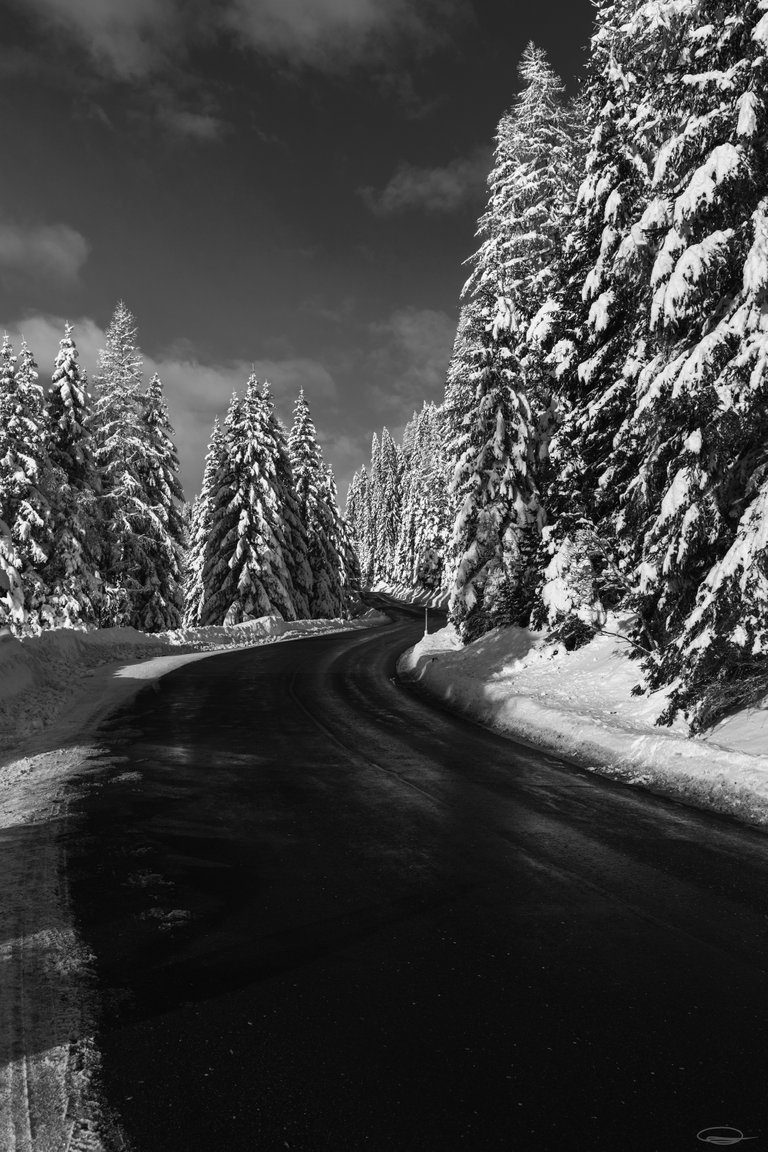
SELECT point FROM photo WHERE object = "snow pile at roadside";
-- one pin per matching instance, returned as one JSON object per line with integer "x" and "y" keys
{"x": 218, "y": 636}
{"x": 41, "y": 675}
{"x": 580, "y": 705}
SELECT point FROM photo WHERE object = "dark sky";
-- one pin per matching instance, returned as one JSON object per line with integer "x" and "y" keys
{"x": 288, "y": 184}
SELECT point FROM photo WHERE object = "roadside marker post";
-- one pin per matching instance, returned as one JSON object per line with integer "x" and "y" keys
{"x": 426, "y": 620}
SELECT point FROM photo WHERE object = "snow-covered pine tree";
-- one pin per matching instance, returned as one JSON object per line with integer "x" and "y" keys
{"x": 71, "y": 574}
{"x": 24, "y": 468}
{"x": 385, "y": 470}
{"x": 12, "y": 611}
{"x": 424, "y": 526}
{"x": 200, "y": 528}
{"x": 295, "y": 547}
{"x": 495, "y": 401}
{"x": 251, "y": 555}
{"x": 357, "y": 517}
{"x": 435, "y": 514}
{"x": 530, "y": 185}
{"x": 322, "y": 526}
{"x": 375, "y": 513}
{"x": 120, "y": 451}
{"x": 216, "y": 584}
{"x": 594, "y": 325}
{"x": 493, "y": 484}
{"x": 349, "y": 566}
{"x": 405, "y": 547}
{"x": 159, "y": 601}
{"x": 701, "y": 493}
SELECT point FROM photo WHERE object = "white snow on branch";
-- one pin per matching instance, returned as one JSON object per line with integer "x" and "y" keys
{"x": 723, "y": 166}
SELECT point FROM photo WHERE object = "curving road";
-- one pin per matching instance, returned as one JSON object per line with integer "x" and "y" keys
{"x": 330, "y": 917}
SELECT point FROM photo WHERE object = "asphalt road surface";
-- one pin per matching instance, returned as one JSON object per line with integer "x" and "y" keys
{"x": 328, "y": 916}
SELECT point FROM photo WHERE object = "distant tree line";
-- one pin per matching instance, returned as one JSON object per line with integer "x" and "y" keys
{"x": 94, "y": 530}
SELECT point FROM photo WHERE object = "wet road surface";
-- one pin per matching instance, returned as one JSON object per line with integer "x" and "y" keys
{"x": 328, "y": 916}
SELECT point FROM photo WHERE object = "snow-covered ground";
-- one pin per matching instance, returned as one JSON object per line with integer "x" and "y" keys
{"x": 42, "y": 676}
{"x": 580, "y": 705}
{"x": 54, "y": 689}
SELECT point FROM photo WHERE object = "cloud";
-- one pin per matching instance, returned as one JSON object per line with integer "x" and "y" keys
{"x": 131, "y": 39}
{"x": 411, "y": 360}
{"x": 125, "y": 38}
{"x": 441, "y": 190}
{"x": 193, "y": 125}
{"x": 324, "y": 33}
{"x": 41, "y": 251}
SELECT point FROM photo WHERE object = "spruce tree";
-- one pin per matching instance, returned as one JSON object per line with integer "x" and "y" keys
{"x": 357, "y": 517}
{"x": 591, "y": 333}
{"x": 24, "y": 468}
{"x": 349, "y": 574}
{"x": 295, "y": 553}
{"x": 120, "y": 451}
{"x": 12, "y": 610}
{"x": 385, "y": 508}
{"x": 254, "y": 548}
{"x": 159, "y": 600}
{"x": 217, "y": 587}
{"x": 321, "y": 524}
{"x": 375, "y": 514}
{"x": 71, "y": 573}
{"x": 200, "y": 528}
{"x": 702, "y": 414}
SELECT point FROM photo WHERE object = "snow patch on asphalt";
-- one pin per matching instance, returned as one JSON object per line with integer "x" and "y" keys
{"x": 579, "y": 705}
{"x": 54, "y": 691}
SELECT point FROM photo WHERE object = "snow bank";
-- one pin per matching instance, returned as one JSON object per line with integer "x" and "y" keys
{"x": 579, "y": 705}
{"x": 40, "y": 676}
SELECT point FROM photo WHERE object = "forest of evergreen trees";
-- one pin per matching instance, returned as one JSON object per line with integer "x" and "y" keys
{"x": 94, "y": 530}
{"x": 603, "y": 438}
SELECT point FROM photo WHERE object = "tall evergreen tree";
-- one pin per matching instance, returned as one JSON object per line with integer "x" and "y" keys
{"x": 159, "y": 597}
{"x": 594, "y": 324}
{"x": 357, "y": 517}
{"x": 12, "y": 611}
{"x": 495, "y": 400}
{"x": 120, "y": 450}
{"x": 253, "y": 549}
{"x": 71, "y": 573}
{"x": 385, "y": 507}
{"x": 375, "y": 505}
{"x": 201, "y": 527}
{"x": 350, "y": 578}
{"x": 218, "y": 589}
{"x": 295, "y": 552}
{"x": 702, "y": 417}
{"x": 321, "y": 523}
{"x": 23, "y": 474}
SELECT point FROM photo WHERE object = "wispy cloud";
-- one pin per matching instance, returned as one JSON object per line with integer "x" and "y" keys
{"x": 125, "y": 38}
{"x": 324, "y": 33}
{"x": 410, "y": 361}
{"x": 440, "y": 190}
{"x": 131, "y": 39}
{"x": 181, "y": 122}
{"x": 31, "y": 252}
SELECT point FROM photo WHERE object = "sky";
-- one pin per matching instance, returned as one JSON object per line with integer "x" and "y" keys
{"x": 289, "y": 187}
